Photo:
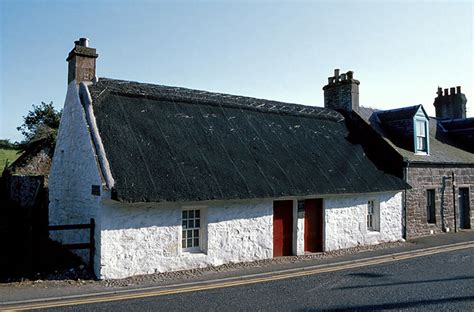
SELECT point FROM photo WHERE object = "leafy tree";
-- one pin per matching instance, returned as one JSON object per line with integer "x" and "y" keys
{"x": 6, "y": 144}
{"x": 42, "y": 122}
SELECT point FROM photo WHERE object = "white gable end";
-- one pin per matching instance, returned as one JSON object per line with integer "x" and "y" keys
{"x": 73, "y": 172}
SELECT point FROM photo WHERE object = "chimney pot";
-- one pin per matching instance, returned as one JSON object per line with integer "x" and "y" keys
{"x": 440, "y": 91}
{"x": 83, "y": 42}
{"x": 350, "y": 74}
{"x": 446, "y": 92}
{"x": 453, "y": 91}
{"x": 458, "y": 89}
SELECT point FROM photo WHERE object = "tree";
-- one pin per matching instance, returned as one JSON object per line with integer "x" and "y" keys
{"x": 42, "y": 122}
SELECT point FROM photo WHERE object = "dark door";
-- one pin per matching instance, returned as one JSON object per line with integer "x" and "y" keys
{"x": 313, "y": 225}
{"x": 464, "y": 209}
{"x": 282, "y": 228}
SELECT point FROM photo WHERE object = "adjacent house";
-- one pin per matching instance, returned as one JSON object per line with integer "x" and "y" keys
{"x": 178, "y": 178}
{"x": 432, "y": 154}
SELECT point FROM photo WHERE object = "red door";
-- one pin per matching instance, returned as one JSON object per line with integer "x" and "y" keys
{"x": 282, "y": 228}
{"x": 313, "y": 225}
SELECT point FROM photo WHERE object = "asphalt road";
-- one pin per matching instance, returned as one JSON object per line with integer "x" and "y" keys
{"x": 440, "y": 282}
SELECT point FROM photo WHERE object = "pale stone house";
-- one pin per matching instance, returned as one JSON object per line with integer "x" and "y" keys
{"x": 178, "y": 178}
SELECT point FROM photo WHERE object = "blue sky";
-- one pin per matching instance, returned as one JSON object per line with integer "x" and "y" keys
{"x": 400, "y": 51}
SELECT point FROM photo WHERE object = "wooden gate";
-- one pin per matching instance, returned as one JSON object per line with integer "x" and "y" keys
{"x": 282, "y": 228}
{"x": 313, "y": 225}
{"x": 89, "y": 245}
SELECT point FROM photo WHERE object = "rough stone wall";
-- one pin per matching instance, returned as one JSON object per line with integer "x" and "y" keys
{"x": 147, "y": 238}
{"x": 346, "y": 225}
{"x": 423, "y": 178}
{"x": 73, "y": 172}
{"x": 342, "y": 96}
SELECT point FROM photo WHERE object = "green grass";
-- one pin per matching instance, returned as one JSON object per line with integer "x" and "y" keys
{"x": 7, "y": 155}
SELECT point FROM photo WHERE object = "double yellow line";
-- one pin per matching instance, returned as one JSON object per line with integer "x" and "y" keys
{"x": 231, "y": 282}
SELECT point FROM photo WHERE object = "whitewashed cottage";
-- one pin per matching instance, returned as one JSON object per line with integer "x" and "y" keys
{"x": 179, "y": 179}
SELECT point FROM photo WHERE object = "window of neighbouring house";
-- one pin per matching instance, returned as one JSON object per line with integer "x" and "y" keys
{"x": 191, "y": 229}
{"x": 430, "y": 206}
{"x": 421, "y": 144}
{"x": 373, "y": 213}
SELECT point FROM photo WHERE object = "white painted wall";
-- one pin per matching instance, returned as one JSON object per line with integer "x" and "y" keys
{"x": 345, "y": 220}
{"x": 145, "y": 239}
{"x": 73, "y": 172}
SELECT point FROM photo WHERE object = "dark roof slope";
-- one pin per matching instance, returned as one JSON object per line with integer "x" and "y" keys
{"x": 461, "y": 131}
{"x": 442, "y": 148}
{"x": 398, "y": 114}
{"x": 175, "y": 144}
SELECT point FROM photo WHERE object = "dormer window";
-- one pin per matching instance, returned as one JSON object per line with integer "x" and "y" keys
{"x": 421, "y": 136}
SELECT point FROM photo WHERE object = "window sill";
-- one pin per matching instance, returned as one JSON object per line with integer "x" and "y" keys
{"x": 192, "y": 251}
{"x": 422, "y": 153}
{"x": 373, "y": 232}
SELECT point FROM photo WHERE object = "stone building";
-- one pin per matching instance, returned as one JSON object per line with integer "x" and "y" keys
{"x": 432, "y": 154}
{"x": 179, "y": 179}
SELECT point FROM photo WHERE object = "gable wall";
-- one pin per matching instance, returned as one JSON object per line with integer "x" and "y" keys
{"x": 422, "y": 178}
{"x": 74, "y": 170}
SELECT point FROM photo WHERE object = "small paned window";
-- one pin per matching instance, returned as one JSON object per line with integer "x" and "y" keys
{"x": 430, "y": 206}
{"x": 372, "y": 216}
{"x": 191, "y": 228}
{"x": 421, "y": 137}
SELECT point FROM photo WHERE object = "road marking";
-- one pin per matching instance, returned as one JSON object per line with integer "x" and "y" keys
{"x": 228, "y": 282}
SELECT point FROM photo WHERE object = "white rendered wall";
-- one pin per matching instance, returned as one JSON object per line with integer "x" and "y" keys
{"x": 345, "y": 220}
{"x": 142, "y": 240}
{"x": 73, "y": 172}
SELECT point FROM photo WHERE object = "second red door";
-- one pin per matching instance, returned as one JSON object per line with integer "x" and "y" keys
{"x": 313, "y": 225}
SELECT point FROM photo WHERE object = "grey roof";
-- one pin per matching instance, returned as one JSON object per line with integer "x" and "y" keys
{"x": 176, "y": 144}
{"x": 442, "y": 147}
{"x": 398, "y": 114}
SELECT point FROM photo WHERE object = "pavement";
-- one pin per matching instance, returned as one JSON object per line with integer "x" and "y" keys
{"x": 49, "y": 291}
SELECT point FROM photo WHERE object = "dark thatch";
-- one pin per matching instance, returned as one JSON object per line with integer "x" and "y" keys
{"x": 175, "y": 144}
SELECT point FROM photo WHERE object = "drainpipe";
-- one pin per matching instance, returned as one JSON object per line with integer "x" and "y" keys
{"x": 454, "y": 203}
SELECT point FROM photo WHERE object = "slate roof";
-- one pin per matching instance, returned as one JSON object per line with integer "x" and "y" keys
{"x": 442, "y": 148}
{"x": 462, "y": 131}
{"x": 176, "y": 144}
{"x": 398, "y": 114}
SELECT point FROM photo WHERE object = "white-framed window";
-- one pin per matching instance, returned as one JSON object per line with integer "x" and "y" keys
{"x": 373, "y": 215}
{"x": 191, "y": 229}
{"x": 421, "y": 136}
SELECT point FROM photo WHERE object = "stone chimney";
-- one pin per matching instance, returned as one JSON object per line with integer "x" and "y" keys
{"x": 81, "y": 61}
{"x": 450, "y": 105}
{"x": 342, "y": 92}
